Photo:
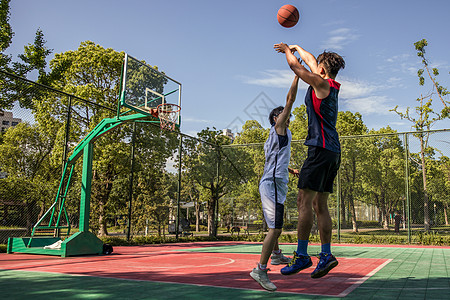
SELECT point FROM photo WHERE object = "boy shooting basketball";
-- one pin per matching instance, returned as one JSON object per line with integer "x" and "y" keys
{"x": 273, "y": 186}
{"x": 322, "y": 163}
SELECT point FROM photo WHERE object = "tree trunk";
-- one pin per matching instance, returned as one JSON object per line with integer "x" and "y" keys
{"x": 352, "y": 207}
{"x": 101, "y": 194}
{"x": 197, "y": 216}
{"x": 211, "y": 217}
{"x": 102, "y": 230}
{"x": 159, "y": 229}
{"x": 445, "y": 214}
{"x": 384, "y": 212}
{"x": 30, "y": 216}
{"x": 343, "y": 215}
{"x": 352, "y": 203}
{"x": 426, "y": 213}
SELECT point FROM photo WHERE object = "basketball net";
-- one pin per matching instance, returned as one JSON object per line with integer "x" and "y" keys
{"x": 168, "y": 115}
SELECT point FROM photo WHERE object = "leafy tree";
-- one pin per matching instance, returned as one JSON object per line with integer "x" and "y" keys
{"x": 246, "y": 198}
{"x": 383, "y": 176}
{"x": 26, "y": 159}
{"x": 6, "y": 34}
{"x": 352, "y": 153}
{"x": 152, "y": 205}
{"x": 426, "y": 117}
{"x": 93, "y": 73}
{"x": 299, "y": 126}
{"x": 438, "y": 174}
{"x": 437, "y": 89}
{"x": 214, "y": 170}
{"x": 193, "y": 192}
{"x": 155, "y": 188}
{"x": 33, "y": 58}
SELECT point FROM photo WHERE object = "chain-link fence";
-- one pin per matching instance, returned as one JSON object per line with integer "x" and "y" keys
{"x": 387, "y": 183}
{"x": 141, "y": 186}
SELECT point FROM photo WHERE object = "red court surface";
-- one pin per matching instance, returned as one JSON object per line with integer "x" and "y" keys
{"x": 175, "y": 264}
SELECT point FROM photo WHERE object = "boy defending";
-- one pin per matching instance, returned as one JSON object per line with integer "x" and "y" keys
{"x": 323, "y": 160}
{"x": 273, "y": 186}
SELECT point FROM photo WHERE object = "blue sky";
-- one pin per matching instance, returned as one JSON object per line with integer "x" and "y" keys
{"x": 222, "y": 51}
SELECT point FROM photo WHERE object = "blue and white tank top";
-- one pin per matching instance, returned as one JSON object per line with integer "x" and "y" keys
{"x": 277, "y": 156}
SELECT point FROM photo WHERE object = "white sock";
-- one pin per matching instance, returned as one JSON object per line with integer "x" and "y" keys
{"x": 262, "y": 267}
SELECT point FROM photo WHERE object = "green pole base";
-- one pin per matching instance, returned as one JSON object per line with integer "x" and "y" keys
{"x": 80, "y": 243}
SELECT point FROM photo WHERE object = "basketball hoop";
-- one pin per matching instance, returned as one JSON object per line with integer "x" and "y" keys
{"x": 168, "y": 115}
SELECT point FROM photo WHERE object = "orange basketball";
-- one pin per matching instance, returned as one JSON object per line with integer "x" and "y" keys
{"x": 288, "y": 15}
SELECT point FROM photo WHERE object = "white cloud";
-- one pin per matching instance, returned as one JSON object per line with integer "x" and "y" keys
{"x": 274, "y": 78}
{"x": 193, "y": 120}
{"x": 354, "y": 89}
{"x": 339, "y": 38}
{"x": 361, "y": 96}
{"x": 369, "y": 105}
{"x": 355, "y": 95}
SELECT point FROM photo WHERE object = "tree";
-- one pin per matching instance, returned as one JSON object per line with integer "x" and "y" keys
{"x": 6, "y": 34}
{"x": 437, "y": 89}
{"x": 33, "y": 58}
{"x": 438, "y": 174}
{"x": 26, "y": 158}
{"x": 246, "y": 198}
{"x": 383, "y": 176}
{"x": 193, "y": 192}
{"x": 426, "y": 117}
{"x": 215, "y": 170}
{"x": 352, "y": 152}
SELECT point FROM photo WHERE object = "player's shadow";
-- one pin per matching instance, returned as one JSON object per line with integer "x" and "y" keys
{"x": 18, "y": 284}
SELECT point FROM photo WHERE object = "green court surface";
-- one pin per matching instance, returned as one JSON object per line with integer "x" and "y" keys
{"x": 409, "y": 273}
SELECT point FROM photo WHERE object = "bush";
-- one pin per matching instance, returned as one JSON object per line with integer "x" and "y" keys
{"x": 368, "y": 224}
{"x": 380, "y": 237}
{"x": 289, "y": 226}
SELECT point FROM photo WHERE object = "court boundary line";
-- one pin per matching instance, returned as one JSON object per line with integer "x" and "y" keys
{"x": 353, "y": 285}
{"x": 362, "y": 280}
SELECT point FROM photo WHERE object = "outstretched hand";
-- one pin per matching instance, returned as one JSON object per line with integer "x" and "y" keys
{"x": 281, "y": 47}
{"x": 294, "y": 172}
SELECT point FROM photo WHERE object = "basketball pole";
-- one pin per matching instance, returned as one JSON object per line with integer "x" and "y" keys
{"x": 177, "y": 223}
{"x": 130, "y": 199}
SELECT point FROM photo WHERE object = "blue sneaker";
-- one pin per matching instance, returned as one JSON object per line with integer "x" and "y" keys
{"x": 298, "y": 263}
{"x": 326, "y": 263}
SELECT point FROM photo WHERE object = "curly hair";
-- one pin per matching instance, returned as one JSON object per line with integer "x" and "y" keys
{"x": 332, "y": 62}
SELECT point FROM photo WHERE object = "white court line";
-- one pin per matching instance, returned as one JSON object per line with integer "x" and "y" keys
{"x": 230, "y": 261}
{"x": 166, "y": 253}
{"x": 359, "y": 281}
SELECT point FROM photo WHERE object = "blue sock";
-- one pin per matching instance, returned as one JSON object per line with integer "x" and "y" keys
{"x": 302, "y": 247}
{"x": 326, "y": 248}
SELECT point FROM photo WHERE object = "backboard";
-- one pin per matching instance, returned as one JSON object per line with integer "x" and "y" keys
{"x": 144, "y": 87}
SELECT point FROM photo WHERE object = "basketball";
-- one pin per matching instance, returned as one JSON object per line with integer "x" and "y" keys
{"x": 288, "y": 16}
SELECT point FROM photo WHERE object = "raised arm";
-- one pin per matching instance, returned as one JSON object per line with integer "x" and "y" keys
{"x": 307, "y": 57}
{"x": 284, "y": 116}
{"x": 320, "y": 85}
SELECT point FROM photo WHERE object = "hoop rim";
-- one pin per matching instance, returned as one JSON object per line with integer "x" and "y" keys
{"x": 169, "y": 104}
{"x": 167, "y": 118}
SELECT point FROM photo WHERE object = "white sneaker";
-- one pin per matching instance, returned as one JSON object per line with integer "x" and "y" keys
{"x": 262, "y": 278}
{"x": 278, "y": 259}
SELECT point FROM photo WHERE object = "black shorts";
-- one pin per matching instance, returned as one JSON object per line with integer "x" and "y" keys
{"x": 319, "y": 170}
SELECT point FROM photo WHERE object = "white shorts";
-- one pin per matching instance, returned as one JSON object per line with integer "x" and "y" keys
{"x": 273, "y": 195}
